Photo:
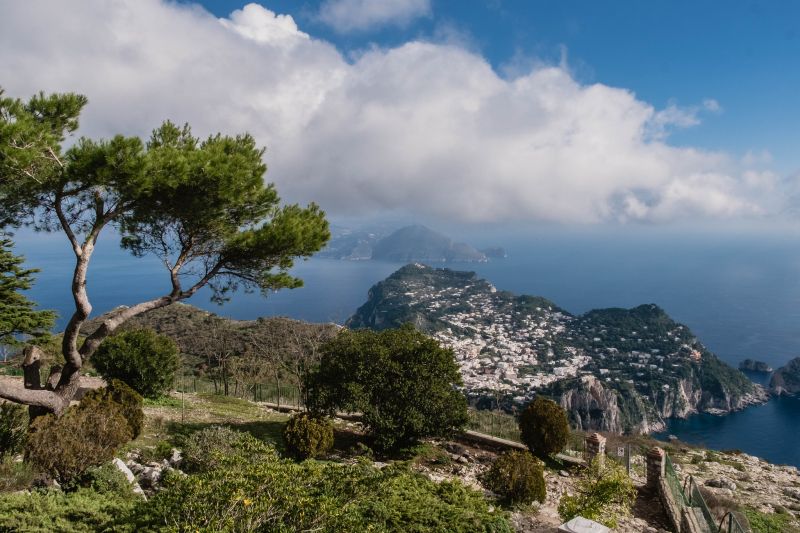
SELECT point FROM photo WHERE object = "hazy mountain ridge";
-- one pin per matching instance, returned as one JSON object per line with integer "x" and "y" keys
{"x": 613, "y": 369}
{"x": 410, "y": 243}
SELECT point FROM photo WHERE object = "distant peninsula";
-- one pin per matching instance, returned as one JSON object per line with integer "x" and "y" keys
{"x": 616, "y": 370}
{"x": 407, "y": 244}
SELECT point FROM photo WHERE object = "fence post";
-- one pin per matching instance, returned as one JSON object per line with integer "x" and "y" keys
{"x": 595, "y": 447}
{"x": 655, "y": 467}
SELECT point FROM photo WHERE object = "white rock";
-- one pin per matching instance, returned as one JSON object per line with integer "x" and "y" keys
{"x": 122, "y": 467}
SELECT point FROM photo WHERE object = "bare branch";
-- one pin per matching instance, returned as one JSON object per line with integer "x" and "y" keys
{"x": 39, "y": 398}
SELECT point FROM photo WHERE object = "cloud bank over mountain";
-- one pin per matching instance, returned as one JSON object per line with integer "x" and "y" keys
{"x": 423, "y": 127}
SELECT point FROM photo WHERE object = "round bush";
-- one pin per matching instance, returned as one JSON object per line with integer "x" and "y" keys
{"x": 517, "y": 477}
{"x": 544, "y": 427}
{"x": 129, "y": 400}
{"x": 84, "y": 436}
{"x": 308, "y": 436}
{"x": 210, "y": 448}
{"x": 143, "y": 359}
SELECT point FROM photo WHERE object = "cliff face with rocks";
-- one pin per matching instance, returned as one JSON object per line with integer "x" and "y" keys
{"x": 618, "y": 370}
{"x": 786, "y": 380}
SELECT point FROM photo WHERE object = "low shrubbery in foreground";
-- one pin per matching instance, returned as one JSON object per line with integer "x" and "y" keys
{"x": 605, "y": 494}
{"x": 86, "y": 435}
{"x": 282, "y": 495}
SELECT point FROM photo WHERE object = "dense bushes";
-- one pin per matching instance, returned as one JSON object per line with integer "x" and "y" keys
{"x": 81, "y": 511}
{"x": 282, "y": 495}
{"x": 308, "y": 436}
{"x": 403, "y": 382}
{"x": 544, "y": 427}
{"x": 129, "y": 401}
{"x": 84, "y": 436}
{"x": 517, "y": 477}
{"x": 13, "y": 428}
{"x": 142, "y": 358}
{"x": 209, "y": 448}
{"x": 605, "y": 494}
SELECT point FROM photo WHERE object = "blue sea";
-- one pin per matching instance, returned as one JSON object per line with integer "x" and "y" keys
{"x": 739, "y": 293}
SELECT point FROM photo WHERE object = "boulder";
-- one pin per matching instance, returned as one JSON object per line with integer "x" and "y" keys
{"x": 721, "y": 483}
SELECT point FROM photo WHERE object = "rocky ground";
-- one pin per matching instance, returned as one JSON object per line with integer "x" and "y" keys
{"x": 742, "y": 480}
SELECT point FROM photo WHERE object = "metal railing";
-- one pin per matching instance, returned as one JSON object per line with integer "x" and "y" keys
{"x": 730, "y": 524}
{"x": 695, "y": 499}
{"x": 689, "y": 496}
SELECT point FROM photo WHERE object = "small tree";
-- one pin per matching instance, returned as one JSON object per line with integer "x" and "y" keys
{"x": 404, "y": 383}
{"x": 605, "y": 493}
{"x": 143, "y": 359}
{"x": 544, "y": 427}
{"x": 200, "y": 206}
{"x": 517, "y": 477}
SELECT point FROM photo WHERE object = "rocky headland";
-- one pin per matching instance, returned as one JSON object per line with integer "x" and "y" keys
{"x": 786, "y": 380}
{"x": 751, "y": 365}
{"x": 616, "y": 370}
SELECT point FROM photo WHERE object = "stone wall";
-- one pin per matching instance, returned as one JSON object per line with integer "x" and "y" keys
{"x": 684, "y": 519}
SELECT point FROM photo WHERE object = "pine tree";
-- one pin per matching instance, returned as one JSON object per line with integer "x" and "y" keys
{"x": 19, "y": 318}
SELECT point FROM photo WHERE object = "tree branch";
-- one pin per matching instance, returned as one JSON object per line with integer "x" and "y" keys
{"x": 39, "y": 398}
{"x": 62, "y": 218}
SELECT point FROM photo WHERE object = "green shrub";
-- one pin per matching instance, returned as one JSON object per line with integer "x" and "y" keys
{"x": 605, "y": 494}
{"x": 769, "y": 523}
{"x": 82, "y": 511}
{"x": 84, "y": 436}
{"x": 285, "y": 496}
{"x": 13, "y": 428}
{"x": 209, "y": 448}
{"x": 162, "y": 450}
{"x": 143, "y": 359}
{"x": 128, "y": 399}
{"x": 544, "y": 427}
{"x": 107, "y": 479}
{"x": 14, "y": 475}
{"x": 518, "y": 477}
{"x": 404, "y": 382}
{"x": 308, "y": 436}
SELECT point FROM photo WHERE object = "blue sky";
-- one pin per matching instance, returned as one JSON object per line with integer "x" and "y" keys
{"x": 743, "y": 54}
{"x": 490, "y": 112}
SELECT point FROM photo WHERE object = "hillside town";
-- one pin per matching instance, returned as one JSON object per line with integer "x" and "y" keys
{"x": 512, "y": 346}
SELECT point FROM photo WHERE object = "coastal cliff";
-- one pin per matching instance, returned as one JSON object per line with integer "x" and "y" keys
{"x": 618, "y": 370}
{"x": 786, "y": 380}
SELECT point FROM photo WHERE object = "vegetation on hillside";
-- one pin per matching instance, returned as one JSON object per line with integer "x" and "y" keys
{"x": 402, "y": 381}
{"x": 200, "y": 206}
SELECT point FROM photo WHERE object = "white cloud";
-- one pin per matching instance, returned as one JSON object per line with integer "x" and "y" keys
{"x": 347, "y": 16}
{"x": 426, "y": 128}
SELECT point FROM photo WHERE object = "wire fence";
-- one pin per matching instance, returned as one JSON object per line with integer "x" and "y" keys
{"x": 283, "y": 394}
{"x": 495, "y": 423}
{"x": 688, "y": 496}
